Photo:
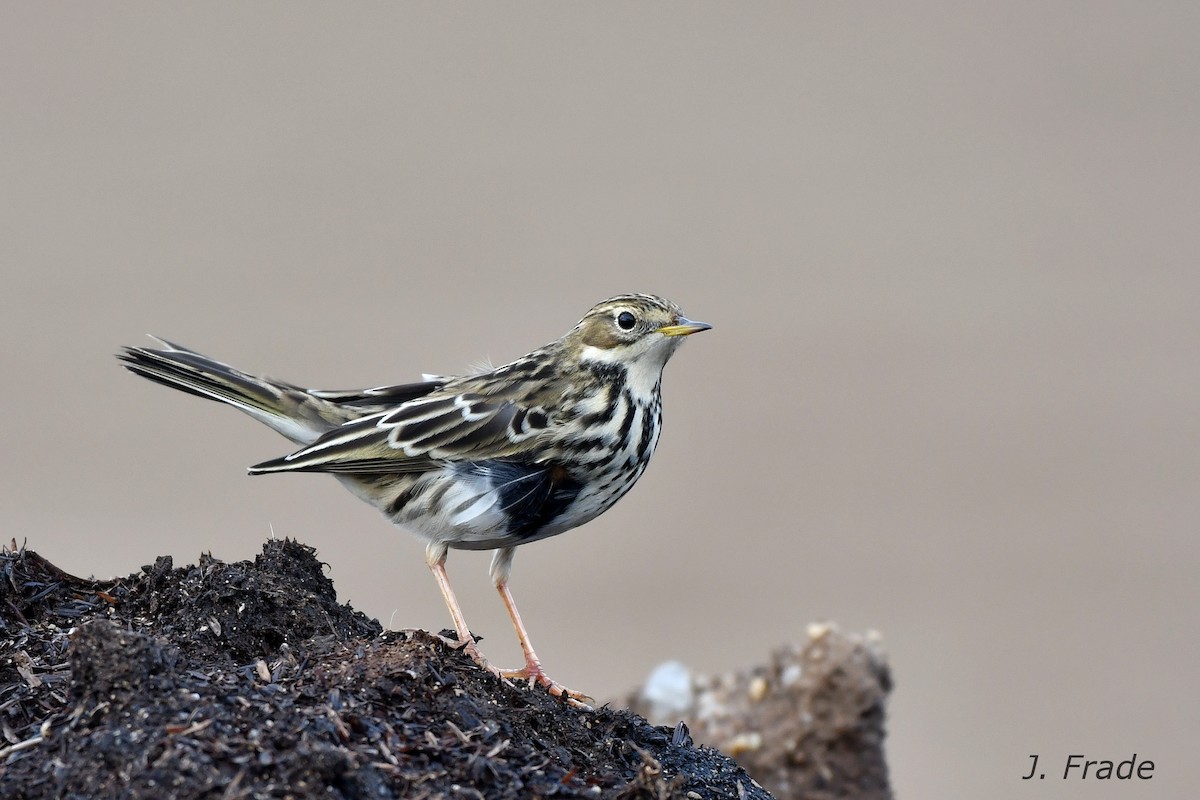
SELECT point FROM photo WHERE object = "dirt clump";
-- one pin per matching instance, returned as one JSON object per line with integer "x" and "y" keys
{"x": 250, "y": 680}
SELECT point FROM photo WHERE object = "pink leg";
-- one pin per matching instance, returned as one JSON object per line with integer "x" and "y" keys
{"x": 532, "y": 671}
{"x": 465, "y": 640}
{"x": 443, "y": 581}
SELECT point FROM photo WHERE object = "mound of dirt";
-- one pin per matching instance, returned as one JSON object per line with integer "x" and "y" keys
{"x": 250, "y": 680}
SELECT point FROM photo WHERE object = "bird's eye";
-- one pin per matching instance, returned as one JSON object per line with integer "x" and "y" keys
{"x": 626, "y": 321}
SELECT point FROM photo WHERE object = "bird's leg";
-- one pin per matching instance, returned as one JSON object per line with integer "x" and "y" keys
{"x": 435, "y": 556}
{"x": 532, "y": 671}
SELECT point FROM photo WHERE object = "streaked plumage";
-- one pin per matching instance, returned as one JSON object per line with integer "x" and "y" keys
{"x": 485, "y": 461}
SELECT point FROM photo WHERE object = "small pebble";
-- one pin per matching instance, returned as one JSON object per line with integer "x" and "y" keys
{"x": 668, "y": 690}
{"x": 744, "y": 743}
{"x": 819, "y": 630}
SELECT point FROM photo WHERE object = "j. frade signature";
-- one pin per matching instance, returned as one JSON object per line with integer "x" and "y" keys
{"x": 1080, "y": 767}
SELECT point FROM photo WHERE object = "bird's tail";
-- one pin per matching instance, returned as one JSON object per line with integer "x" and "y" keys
{"x": 290, "y": 410}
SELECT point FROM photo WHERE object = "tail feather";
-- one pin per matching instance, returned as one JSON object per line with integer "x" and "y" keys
{"x": 288, "y": 409}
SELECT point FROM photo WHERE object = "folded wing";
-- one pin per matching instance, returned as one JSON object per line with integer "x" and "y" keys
{"x": 420, "y": 435}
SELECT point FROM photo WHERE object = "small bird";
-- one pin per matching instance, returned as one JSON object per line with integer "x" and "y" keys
{"x": 490, "y": 460}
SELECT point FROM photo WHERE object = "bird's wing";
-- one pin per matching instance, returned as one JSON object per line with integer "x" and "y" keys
{"x": 419, "y": 435}
{"x": 382, "y": 397}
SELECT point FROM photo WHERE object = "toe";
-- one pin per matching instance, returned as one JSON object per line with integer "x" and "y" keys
{"x": 531, "y": 674}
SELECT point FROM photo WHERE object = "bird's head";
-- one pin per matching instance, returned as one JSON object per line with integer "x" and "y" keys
{"x": 635, "y": 330}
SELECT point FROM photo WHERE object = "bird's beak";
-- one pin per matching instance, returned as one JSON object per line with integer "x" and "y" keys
{"x": 683, "y": 327}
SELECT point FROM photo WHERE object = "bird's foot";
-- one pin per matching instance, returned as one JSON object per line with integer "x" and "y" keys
{"x": 533, "y": 673}
{"x": 471, "y": 649}
{"x": 454, "y": 643}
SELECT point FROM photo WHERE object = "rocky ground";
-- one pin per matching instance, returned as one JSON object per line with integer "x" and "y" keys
{"x": 249, "y": 680}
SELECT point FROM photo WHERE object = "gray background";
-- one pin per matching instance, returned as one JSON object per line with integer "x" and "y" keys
{"x": 950, "y": 251}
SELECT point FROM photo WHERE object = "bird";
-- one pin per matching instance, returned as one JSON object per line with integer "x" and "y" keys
{"x": 489, "y": 460}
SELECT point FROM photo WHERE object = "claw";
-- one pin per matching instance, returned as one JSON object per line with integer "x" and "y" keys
{"x": 530, "y": 674}
{"x": 533, "y": 673}
{"x": 456, "y": 644}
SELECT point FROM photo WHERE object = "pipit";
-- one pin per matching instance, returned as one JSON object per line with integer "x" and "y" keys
{"x": 491, "y": 460}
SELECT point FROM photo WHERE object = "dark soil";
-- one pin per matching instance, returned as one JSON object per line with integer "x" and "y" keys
{"x": 249, "y": 680}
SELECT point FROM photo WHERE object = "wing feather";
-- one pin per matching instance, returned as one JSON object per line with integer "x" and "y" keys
{"x": 381, "y": 395}
{"x": 419, "y": 435}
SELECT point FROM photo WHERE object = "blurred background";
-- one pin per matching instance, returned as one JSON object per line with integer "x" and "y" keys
{"x": 950, "y": 252}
